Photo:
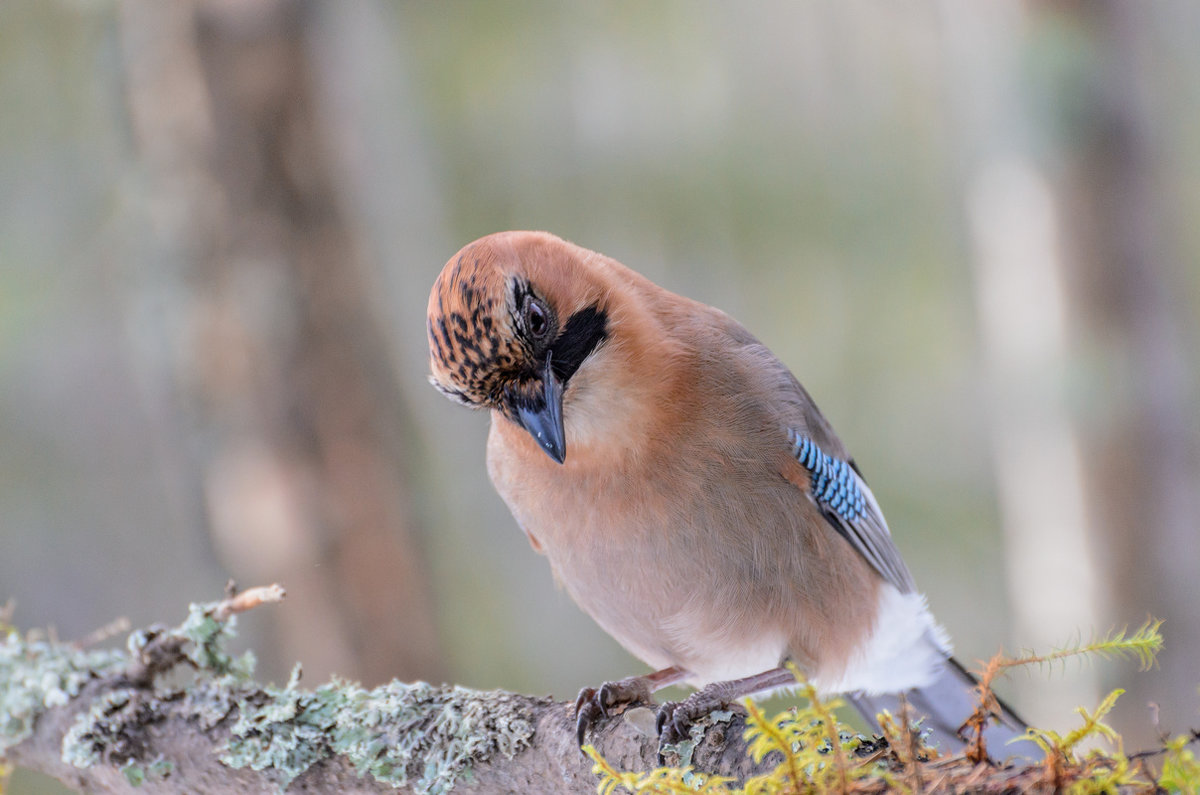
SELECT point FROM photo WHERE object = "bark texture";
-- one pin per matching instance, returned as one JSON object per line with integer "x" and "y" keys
{"x": 175, "y": 712}
{"x": 167, "y": 729}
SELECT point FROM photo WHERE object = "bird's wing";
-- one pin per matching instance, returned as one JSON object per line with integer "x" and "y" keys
{"x": 848, "y": 504}
{"x": 833, "y": 482}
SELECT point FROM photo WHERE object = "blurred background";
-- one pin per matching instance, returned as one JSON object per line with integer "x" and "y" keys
{"x": 970, "y": 229}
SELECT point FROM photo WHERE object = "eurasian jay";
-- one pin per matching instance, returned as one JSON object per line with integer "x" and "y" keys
{"x": 685, "y": 489}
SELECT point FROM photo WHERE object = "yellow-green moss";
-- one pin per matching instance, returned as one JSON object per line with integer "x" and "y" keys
{"x": 818, "y": 755}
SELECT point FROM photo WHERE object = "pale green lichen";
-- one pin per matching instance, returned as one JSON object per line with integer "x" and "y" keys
{"x": 113, "y": 729}
{"x": 399, "y": 733}
{"x": 110, "y": 729}
{"x": 95, "y": 732}
{"x": 137, "y": 775}
{"x": 208, "y": 637}
{"x": 686, "y": 748}
{"x": 37, "y": 675}
{"x": 417, "y": 734}
{"x": 203, "y": 640}
{"x": 210, "y": 701}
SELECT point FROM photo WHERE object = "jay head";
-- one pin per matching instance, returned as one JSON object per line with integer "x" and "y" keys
{"x": 685, "y": 489}
{"x": 511, "y": 320}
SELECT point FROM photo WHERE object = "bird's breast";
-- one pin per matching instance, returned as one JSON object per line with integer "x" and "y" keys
{"x": 684, "y": 561}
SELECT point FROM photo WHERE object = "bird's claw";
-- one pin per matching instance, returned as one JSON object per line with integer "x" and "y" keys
{"x": 675, "y": 718}
{"x": 612, "y": 698}
{"x": 587, "y": 713}
{"x": 672, "y": 722}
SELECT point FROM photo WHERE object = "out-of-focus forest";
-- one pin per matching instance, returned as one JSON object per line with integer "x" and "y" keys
{"x": 969, "y": 228}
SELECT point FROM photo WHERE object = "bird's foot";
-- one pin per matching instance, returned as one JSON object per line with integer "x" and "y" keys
{"x": 612, "y": 698}
{"x": 675, "y": 718}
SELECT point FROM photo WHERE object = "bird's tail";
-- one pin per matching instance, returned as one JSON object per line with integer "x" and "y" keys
{"x": 946, "y": 703}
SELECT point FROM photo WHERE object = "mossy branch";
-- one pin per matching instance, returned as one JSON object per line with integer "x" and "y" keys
{"x": 115, "y": 721}
{"x": 176, "y": 711}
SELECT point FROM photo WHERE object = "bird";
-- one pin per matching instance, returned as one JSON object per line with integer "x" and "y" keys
{"x": 686, "y": 491}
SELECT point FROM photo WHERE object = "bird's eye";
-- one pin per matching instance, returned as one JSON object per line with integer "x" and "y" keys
{"x": 536, "y": 319}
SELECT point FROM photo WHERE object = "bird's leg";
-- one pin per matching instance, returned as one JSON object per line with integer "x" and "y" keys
{"x": 675, "y": 717}
{"x": 594, "y": 704}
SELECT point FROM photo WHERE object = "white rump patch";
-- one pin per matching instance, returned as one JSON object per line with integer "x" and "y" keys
{"x": 906, "y": 649}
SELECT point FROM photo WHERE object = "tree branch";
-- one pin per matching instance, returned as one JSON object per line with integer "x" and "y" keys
{"x": 174, "y": 711}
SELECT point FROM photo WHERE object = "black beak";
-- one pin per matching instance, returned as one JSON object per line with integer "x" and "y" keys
{"x": 545, "y": 424}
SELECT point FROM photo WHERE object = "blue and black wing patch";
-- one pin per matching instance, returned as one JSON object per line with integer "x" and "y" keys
{"x": 834, "y": 484}
{"x": 848, "y": 505}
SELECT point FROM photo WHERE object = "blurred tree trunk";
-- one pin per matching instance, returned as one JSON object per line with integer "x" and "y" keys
{"x": 1014, "y": 244}
{"x": 282, "y": 366}
{"x": 1081, "y": 263}
{"x": 1141, "y": 446}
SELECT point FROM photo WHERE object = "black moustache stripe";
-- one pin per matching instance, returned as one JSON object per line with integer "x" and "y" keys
{"x": 582, "y": 334}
